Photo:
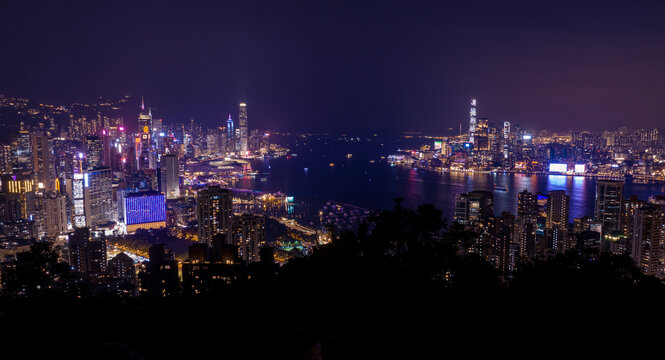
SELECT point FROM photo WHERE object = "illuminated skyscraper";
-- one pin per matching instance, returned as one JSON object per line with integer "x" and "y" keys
{"x": 505, "y": 249}
{"x": 144, "y": 210}
{"x": 472, "y": 120}
{"x": 505, "y": 140}
{"x": 54, "y": 214}
{"x": 18, "y": 196}
{"x": 42, "y": 153}
{"x": 242, "y": 125}
{"x": 609, "y": 195}
{"x": 473, "y": 207}
{"x": 169, "y": 176}
{"x": 145, "y": 119}
{"x": 87, "y": 253}
{"x": 481, "y": 135}
{"x": 230, "y": 135}
{"x": 145, "y": 157}
{"x": 214, "y": 213}
{"x": 75, "y": 188}
{"x": 98, "y": 199}
{"x": 646, "y": 238}
{"x": 558, "y": 207}
{"x": 526, "y": 225}
{"x": 249, "y": 236}
{"x": 94, "y": 152}
{"x": 21, "y": 156}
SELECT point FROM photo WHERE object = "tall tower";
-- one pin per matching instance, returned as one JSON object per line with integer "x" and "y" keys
{"x": 43, "y": 161}
{"x": 646, "y": 238}
{"x": 145, "y": 119}
{"x": 249, "y": 236}
{"x": 94, "y": 151}
{"x": 506, "y": 139}
{"x": 169, "y": 176}
{"x": 558, "y": 208}
{"x": 609, "y": 196}
{"x": 230, "y": 135}
{"x": 472, "y": 120}
{"x": 214, "y": 213}
{"x": 242, "y": 124}
{"x": 481, "y": 136}
{"x": 98, "y": 196}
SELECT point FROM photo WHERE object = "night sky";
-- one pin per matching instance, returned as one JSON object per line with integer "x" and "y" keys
{"x": 347, "y": 65}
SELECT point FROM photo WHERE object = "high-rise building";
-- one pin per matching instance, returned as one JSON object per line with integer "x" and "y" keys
{"x": 121, "y": 268}
{"x": 18, "y": 197}
{"x": 145, "y": 157}
{"x": 230, "y": 135}
{"x": 145, "y": 120}
{"x": 98, "y": 196}
{"x": 214, "y": 213}
{"x": 629, "y": 209}
{"x": 249, "y": 235}
{"x": 161, "y": 272}
{"x": 474, "y": 206}
{"x": 242, "y": 125}
{"x": 647, "y": 237}
{"x": 87, "y": 253}
{"x": 558, "y": 207}
{"x": 526, "y": 224}
{"x": 504, "y": 249}
{"x": 5, "y": 159}
{"x": 472, "y": 120}
{"x": 212, "y": 142}
{"x": 144, "y": 210}
{"x": 481, "y": 141}
{"x": 54, "y": 214}
{"x": 76, "y": 191}
{"x": 527, "y": 204}
{"x": 94, "y": 152}
{"x": 169, "y": 176}
{"x": 609, "y": 195}
{"x": 157, "y": 127}
{"x": 21, "y": 157}
{"x": 505, "y": 141}
{"x": 43, "y": 162}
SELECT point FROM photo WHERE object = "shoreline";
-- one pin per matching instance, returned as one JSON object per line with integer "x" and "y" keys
{"x": 638, "y": 179}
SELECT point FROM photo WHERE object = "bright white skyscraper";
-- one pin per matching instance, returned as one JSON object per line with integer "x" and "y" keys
{"x": 242, "y": 126}
{"x": 472, "y": 120}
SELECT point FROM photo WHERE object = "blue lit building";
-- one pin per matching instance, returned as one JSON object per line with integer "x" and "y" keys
{"x": 144, "y": 210}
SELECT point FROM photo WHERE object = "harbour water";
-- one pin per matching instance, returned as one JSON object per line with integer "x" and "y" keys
{"x": 325, "y": 172}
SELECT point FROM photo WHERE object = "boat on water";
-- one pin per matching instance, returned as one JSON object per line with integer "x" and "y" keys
{"x": 500, "y": 188}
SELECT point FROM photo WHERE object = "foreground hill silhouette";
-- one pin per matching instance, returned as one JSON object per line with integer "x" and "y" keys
{"x": 398, "y": 288}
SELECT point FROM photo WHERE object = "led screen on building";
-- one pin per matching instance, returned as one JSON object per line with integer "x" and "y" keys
{"x": 145, "y": 208}
{"x": 580, "y": 168}
{"x": 555, "y": 167}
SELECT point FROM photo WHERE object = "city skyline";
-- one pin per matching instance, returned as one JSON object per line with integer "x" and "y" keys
{"x": 327, "y": 179}
{"x": 225, "y": 118}
{"x": 349, "y": 66}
